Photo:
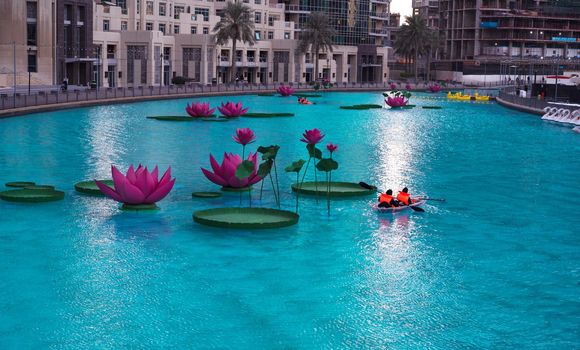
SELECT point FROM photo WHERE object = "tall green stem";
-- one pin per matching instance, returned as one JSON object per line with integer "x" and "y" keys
{"x": 305, "y": 171}
{"x": 297, "y": 192}
{"x": 243, "y": 155}
{"x": 273, "y": 188}
{"x": 328, "y": 191}
{"x": 316, "y": 185}
{"x": 261, "y": 188}
{"x": 277, "y": 183}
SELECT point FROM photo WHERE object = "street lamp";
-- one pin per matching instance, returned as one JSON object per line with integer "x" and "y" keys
{"x": 29, "y": 50}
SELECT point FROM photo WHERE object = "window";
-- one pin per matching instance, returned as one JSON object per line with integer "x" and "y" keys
{"x": 257, "y": 2}
{"x": 148, "y": 26}
{"x": 271, "y": 21}
{"x": 286, "y": 35}
{"x": 138, "y": 26}
{"x": 31, "y": 12}
{"x": 203, "y": 12}
{"x": 205, "y": 30}
{"x": 178, "y": 10}
{"x": 149, "y": 8}
{"x": 258, "y": 17}
{"x": 176, "y": 29}
{"x": 111, "y": 51}
{"x": 81, "y": 15}
{"x": 138, "y": 6}
{"x": 32, "y": 61}
{"x": 162, "y": 8}
{"x": 162, "y": 28}
{"x": 124, "y": 25}
{"x": 270, "y": 35}
{"x": 106, "y": 24}
{"x": 258, "y": 35}
{"x": 193, "y": 30}
{"x": 67, "y": 14}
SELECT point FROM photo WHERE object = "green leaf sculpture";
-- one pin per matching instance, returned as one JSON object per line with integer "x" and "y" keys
{"x": 244, "y": 169}
{"x": 269, "y": 152}
{"x": 313, "y": 151}
{"x": 327, "y": 164}
{"x": 265, "y": 168}
{"x": 295, "y": 167}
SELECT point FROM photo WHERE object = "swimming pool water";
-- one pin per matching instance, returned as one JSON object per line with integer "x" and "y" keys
{"x": 495, "y": 266}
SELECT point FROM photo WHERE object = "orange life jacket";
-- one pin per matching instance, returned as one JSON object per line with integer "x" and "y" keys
{"x": 404, "y": 198}
{"x": 385, "y": 198}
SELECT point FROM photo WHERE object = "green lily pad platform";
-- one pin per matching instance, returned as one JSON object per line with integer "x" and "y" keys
{"x": 90, "y": 187}
{"x": 206, "y": 194}
{"x": 362, "y": 107}
{"x": 307, "y": 95}
{"x": 182, "y": 118}
{"x": 139, "y": 207}
{"x": 31, "y": 196}
{"x": 337, "y": 189}
{"x": 39, "y": 187}
{"x": 236, "y": 190}
{"x": 432, "y": 107}
{"x": 19, "y": 184}
{"x": 267, "y": 115}
{"x": 246, "y": 218}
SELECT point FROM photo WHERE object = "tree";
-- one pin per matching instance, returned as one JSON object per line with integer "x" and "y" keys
{"x": 318, "y": 35}
{"x": 413, "y": 39}
{"x": 236, "y": 24}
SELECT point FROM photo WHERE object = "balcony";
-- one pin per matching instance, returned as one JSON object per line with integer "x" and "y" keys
{"x": 379, "y": 32}
{"x": 380, "y": 16}
{"x": 384, "y": 2}
{"x": 296, "y": 9}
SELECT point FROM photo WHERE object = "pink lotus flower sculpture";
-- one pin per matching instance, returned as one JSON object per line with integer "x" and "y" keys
{"x": 199, "y": 110}
{"x": 435, "y": 88}
{"x": 244, "y": 136}
{"x": 393, "y": 86}
{"x": 285, "y": 90}
{"x": 139, "y": 186}
{"x": 312, "y": 137}
{"x": 232, "y": 110}
{"x": 225, "y": 174}
{"x": 399, "y": 101}
{"x": 408, "y": 87}
{"x": 331, "y": 147}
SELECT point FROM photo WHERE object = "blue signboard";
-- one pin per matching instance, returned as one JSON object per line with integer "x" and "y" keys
{"x": 562, "y": 39}
{"x": 488, "y": 24}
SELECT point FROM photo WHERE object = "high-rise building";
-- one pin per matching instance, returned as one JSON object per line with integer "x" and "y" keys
{"x": 428, "y": 9}
{"x": 483, "y": 33}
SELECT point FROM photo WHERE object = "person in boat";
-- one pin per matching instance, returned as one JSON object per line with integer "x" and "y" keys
{"x": 386, "y": 200}
{"x": 404, "y": 197}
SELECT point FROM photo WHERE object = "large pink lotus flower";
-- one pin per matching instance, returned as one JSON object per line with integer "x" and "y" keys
{"x": 225, "y": 174}
{"x": 232, "y": 110}
{"x": 285, "y": 90}
{"x": 435, "y": 88}
{"x": 396, "y": 101}
{"x": 199, "y": 110}
{"x": 312, "y": 137}
{"x": 138, "y": 186}
{"x": 244, "y": 136}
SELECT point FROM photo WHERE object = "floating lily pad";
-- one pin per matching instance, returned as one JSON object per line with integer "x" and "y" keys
{"x": 337, "y": 189}
{"x": 215, "y": 119}
{"x": 267, "y": 115}
{"x": 206, "y": 194}
{"x": 246, "y": 218}
{"x": 432, "y": 107}
{"x": 90, "y": 187}
{"x": 307, "y": 95}
{"x": 362, "y": 107}
{"x": 409, "y": 106}
{"x": 19, "y": 184}
{"x": 173, "y": 118}
{"x": 31, "y": 196}
{"x": 39, "y": 187}
{"x": 232, "y": 189}
{"x": 139, "y": 207}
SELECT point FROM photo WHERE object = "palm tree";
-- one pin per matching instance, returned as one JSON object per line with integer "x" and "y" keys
{"x": 236, "y": 24}
{"x": 317, "y": 35}
{"x": 414, "y": 38}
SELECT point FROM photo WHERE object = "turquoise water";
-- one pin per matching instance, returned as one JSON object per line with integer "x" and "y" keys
{"x": 495, "y": 266}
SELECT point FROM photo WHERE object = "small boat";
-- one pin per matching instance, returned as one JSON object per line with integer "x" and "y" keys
{"x": 458, "y": 96}
{"x": 481, "y": 98}
{"x": 418, "y": 203}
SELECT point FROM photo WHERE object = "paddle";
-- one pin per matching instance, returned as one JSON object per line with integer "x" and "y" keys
{"x": 374, "y": 188}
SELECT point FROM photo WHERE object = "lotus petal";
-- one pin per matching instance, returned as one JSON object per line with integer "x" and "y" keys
{"x": 216, "y": 179}
{"x": 160, "y": 192}
{"x": 107, "y": 191}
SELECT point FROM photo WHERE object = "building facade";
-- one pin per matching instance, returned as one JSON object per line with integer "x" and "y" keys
{"x": 148, "y": 42}
{"x": 481, "y": 34}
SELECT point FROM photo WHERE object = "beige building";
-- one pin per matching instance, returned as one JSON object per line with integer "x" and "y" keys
{"x": 27, "y": 42}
